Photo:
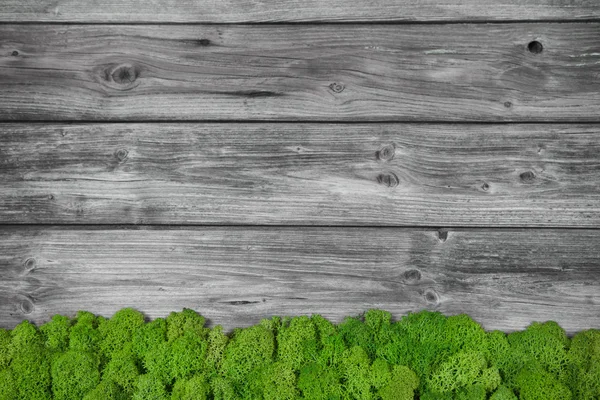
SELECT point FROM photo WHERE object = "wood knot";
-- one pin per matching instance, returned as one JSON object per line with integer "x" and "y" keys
{"x": 389, "y": 179}
{"x": 431, "y": 297}
{"x": 121, "y": 154}
{"x": 122, "y": 76}
{"x": 30, "y": 264}
{"x": 337, "y": 87}
{"x": 442, "y": 235}
{"x": 485, "y": 187}
{"x": 527, "y": 177}
{"x": 507, "y": 104}
{"x": 535, "y": 47}
{"x": 386, "y": 153}
{"x": 26, "y": 306}
{"x": 412, "y": 275}
{"x": 14, "y": 53}
{"x": 204, "y": 42}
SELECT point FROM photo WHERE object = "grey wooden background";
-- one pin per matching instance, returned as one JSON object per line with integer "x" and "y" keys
{"x": 255, "y": 158}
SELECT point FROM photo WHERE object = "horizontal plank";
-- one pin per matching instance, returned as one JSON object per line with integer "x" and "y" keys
{"x": 302, "y": 174}
{"x": 294, "y": 10}
{"x": 456, "y": 72}
{"x": 503, "y": 278}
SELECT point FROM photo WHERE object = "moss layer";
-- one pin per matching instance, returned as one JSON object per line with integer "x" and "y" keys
{"x": 423, "y": 355}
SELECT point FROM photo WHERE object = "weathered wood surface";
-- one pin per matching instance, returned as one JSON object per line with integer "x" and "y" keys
{"x": 503, "y": 278}
{"x": 295, "y": 10}
{"x": 450, "y": 72}
{"x": 315, "y": 174}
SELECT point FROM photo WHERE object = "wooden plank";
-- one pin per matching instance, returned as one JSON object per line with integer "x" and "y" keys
{"x": 294, "y": 10}
{"x": 450, "y": 72}
{"x": 316, "y": 174}
{"x": 504, "y": 278}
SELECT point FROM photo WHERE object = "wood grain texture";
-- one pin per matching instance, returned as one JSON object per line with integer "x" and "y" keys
{"x": 294, "y": 10}
{"x": 271, "y": 173}
{"x": 503, "y": 278}
{"x": 453, "y": 72}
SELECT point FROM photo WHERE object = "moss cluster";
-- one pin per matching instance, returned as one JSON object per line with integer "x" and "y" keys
{"x": 424, "y": 355}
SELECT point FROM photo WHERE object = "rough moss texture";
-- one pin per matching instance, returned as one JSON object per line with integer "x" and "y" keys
{"x": 423, "y": 355}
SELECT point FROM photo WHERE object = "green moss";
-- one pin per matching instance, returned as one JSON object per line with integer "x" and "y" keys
{"x": 275, "y": 381}
{"x": 185, "y": 321}
{"x": 474, "y": 392}
{"x": 217, "y": 343}
{"x": 74, "y": 373}
{"x": 421, "y": 343}
{"x": 507, "y": 359}
{"x": 297, "y": 342}
{"x": 194, "y": 388}
{"x": 187, "y": 355}
{"x": 106, "y": 390}
{"x": 84, "y": 335}
{"x": 30, "y": 363}
{"x": 5, "y": 347}
{"x": 503, "y": 393}
{"x": 8, "y": 385}
{"x": 248, "y": 349}
{"x": 544, "y": 345}
{"x": 157, "y": 361}
{"x": 357, "y": 373}
{"x": 536, "y": 384}
{"x": 56, "y": 333}
{"x": 463, "y": 371}
{"x": 319, "y": 382}
{"x": 149, "y": 337}
{"x": 150, "y": 387}
{"x": 423, "y": 355}
{"x": 584, "y": 365}
{"x": 118, "y": 331}
{"x": 122, "y": 369}
{"x": 222, "y": 389}
{"x": 358, "y": 334}
{"x": 399, "y": 384}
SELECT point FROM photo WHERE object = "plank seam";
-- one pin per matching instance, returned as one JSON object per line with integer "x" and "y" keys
{"x": 291, "y": 121}
{"x": 98, "y": 226}
{"x": 280, "y": 23}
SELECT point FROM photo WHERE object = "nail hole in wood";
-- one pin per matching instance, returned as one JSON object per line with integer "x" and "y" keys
{"x": 485, "y": 187}
{"x": 535, "y": 47}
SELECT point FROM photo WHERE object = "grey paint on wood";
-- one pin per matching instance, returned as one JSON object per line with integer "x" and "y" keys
{"x": 503, "y": 278}
{"x": 335, "y": 174}
{"x": 456, "y": 72}
{"x": 295, "y": 10}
